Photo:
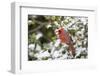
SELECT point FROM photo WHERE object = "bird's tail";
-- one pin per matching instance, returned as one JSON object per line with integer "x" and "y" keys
{"x": 72, "y": 49}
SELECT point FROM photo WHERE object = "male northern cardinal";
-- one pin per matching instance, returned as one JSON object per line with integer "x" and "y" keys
{"x": 65, "y": 38}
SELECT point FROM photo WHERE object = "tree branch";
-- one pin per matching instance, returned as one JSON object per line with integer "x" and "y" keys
{"x": 39, "y": 27}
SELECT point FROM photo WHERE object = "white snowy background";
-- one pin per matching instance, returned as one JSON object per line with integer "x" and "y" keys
{"x": 54, "y": 50}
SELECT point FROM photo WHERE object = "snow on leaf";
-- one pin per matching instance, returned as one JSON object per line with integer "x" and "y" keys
{"x": 39, "y": 34}
{"x": 31, "y": 46}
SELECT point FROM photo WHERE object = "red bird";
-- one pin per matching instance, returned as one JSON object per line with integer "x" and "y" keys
{"x": 65, "y": 38}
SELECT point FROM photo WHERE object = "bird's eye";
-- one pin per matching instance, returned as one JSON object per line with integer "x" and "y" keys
{"x": 59, "y": 31}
